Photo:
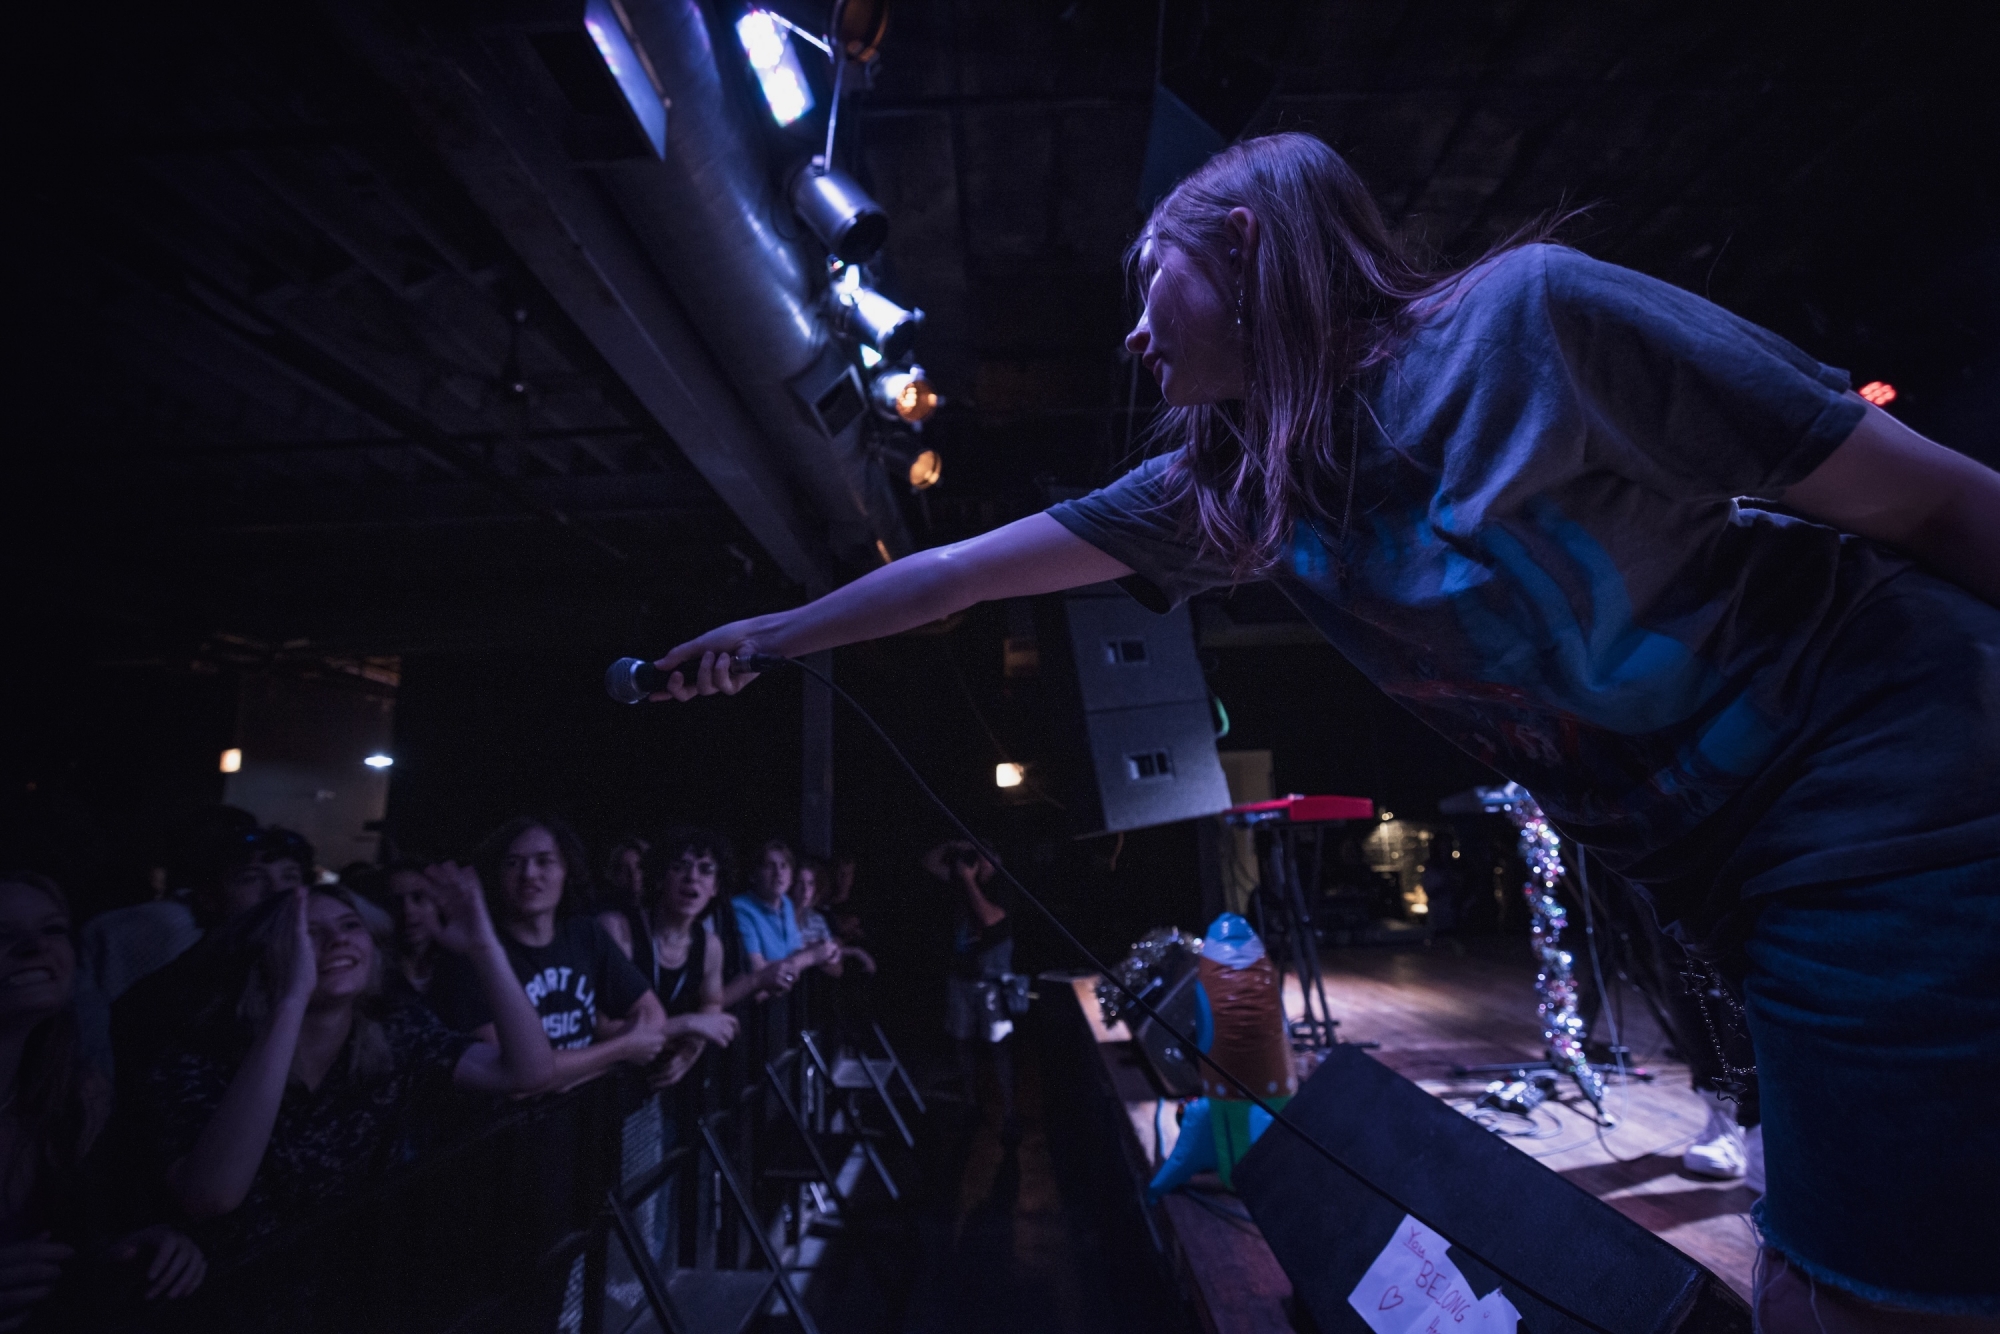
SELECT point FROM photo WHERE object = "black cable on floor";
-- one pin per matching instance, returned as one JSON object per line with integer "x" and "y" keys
{"x": 760, "y": 662}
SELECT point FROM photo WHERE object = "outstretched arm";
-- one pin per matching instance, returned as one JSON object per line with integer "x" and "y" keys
{"x": 1887, "y": 482}
{"x": 1029, "y": 556}
{"x": 216, "y": 1175}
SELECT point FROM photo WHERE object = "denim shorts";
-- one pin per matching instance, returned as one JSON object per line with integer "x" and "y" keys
{"x": 1874, "y": 1006}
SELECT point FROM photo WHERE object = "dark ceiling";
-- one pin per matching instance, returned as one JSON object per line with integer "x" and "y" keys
{"x": 288, "y": 387}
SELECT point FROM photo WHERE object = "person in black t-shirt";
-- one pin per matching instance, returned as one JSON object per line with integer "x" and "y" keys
{"x": 594, "y": 1005}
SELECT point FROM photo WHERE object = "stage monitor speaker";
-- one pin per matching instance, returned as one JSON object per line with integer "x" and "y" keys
{"x": 1472, "y": 1188}
{"x": 1134, "y": 681}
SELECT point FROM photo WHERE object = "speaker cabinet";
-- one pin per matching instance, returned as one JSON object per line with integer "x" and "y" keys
{"x": 1475, "y": 1191}
{"x": 1142, "y": 748}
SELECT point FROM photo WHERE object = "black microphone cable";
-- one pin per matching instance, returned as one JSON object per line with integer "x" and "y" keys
{"x": 761, "y": 662}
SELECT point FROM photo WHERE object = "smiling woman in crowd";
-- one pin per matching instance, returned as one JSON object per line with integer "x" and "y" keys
{"x": 297, "y": 1089}
{"x": 52, "y": 1107}
{"x": 593, "y": 1005}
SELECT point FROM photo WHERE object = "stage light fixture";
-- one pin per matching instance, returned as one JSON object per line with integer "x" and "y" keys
{"x": 1009, "y": 775}
{"x": 232, "y": 760}
{"x": 921, "y": 468}
{"x": 767, "y": 41}
{"x": 869, "y": 317}
{"x": 1879, "y": 392}
{"x": 852, "y": 226}
{"x": 378, "y": 761}
{"x": 926, "y": 470}
{"x": 905, "y": 395}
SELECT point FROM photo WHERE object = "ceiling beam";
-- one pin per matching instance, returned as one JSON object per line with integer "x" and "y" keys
{"x": 332, "y": 505}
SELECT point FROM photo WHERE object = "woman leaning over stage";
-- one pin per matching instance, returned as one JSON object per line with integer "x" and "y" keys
{"x": 1510, "y": 495}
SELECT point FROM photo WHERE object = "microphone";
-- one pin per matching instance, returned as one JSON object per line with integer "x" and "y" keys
{"x": 631, "y": 680}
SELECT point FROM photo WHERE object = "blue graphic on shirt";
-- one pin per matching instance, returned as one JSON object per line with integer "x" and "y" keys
{"x": 1568, "y": 678}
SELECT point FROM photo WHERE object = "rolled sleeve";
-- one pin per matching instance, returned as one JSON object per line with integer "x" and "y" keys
{"x": 1132, "y": 521}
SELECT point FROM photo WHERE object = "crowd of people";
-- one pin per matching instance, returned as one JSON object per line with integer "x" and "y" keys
{"x": 188, "y": 1076}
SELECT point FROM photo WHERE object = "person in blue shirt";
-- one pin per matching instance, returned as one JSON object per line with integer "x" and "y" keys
{"x": 769, "y": 927}
{"x": 1733, "y": 626}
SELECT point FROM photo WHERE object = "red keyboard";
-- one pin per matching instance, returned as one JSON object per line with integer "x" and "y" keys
{"x": 1307, "y": 810}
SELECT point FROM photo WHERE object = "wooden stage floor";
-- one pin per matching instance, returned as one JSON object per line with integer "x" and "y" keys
{"x": 1432, "y": 1007}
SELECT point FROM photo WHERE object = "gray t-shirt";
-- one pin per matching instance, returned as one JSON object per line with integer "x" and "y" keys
{"x": 1545, "y": 560}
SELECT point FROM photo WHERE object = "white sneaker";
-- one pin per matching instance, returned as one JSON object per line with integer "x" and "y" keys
{"x": 1718, "y": 1150}
{"x": 1753, "y": 1158}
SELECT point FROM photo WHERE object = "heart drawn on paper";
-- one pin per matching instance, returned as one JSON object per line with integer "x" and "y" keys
{"x": 1391, "y": 1296}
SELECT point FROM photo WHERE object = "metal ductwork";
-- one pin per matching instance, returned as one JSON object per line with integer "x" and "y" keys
{"x": 667, "y": 241}
{"x": 750, "y": 276}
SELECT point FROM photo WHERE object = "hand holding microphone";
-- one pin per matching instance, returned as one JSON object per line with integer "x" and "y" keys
{"x": 633, "y": 680}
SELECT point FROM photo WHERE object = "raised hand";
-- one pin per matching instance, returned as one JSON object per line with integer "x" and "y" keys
{"x": 302, "y": 968}
{"x": 463, "y": 922}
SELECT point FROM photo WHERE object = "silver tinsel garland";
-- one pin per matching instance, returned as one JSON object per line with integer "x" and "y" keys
{"x": 1555, "y": 982}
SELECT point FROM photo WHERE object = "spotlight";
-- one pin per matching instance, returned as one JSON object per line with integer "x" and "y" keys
{"x": 921, "y": 468}
{"x": 905, "y": 396}
{"x": 767, "y": 41}
{"x": 1879, "y": 392}
{"x": 232, "y": 760}
{"x": 869, "y": 317}
{"x": 1009, "y": 775}
{"x": 850, "y": 224}
{"x": 926, "y": 470}
{"x": 378, "y": 761}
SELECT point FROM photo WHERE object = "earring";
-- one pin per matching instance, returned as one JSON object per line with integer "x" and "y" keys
{"x": 1239, "y": 305}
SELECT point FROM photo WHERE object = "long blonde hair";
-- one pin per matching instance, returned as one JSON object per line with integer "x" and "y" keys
{"x": 271, "y": 947}
{"x": 1327, "y": 294}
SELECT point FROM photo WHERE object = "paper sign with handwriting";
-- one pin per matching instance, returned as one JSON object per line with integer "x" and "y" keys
{"x": 1414, "y": 1288}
